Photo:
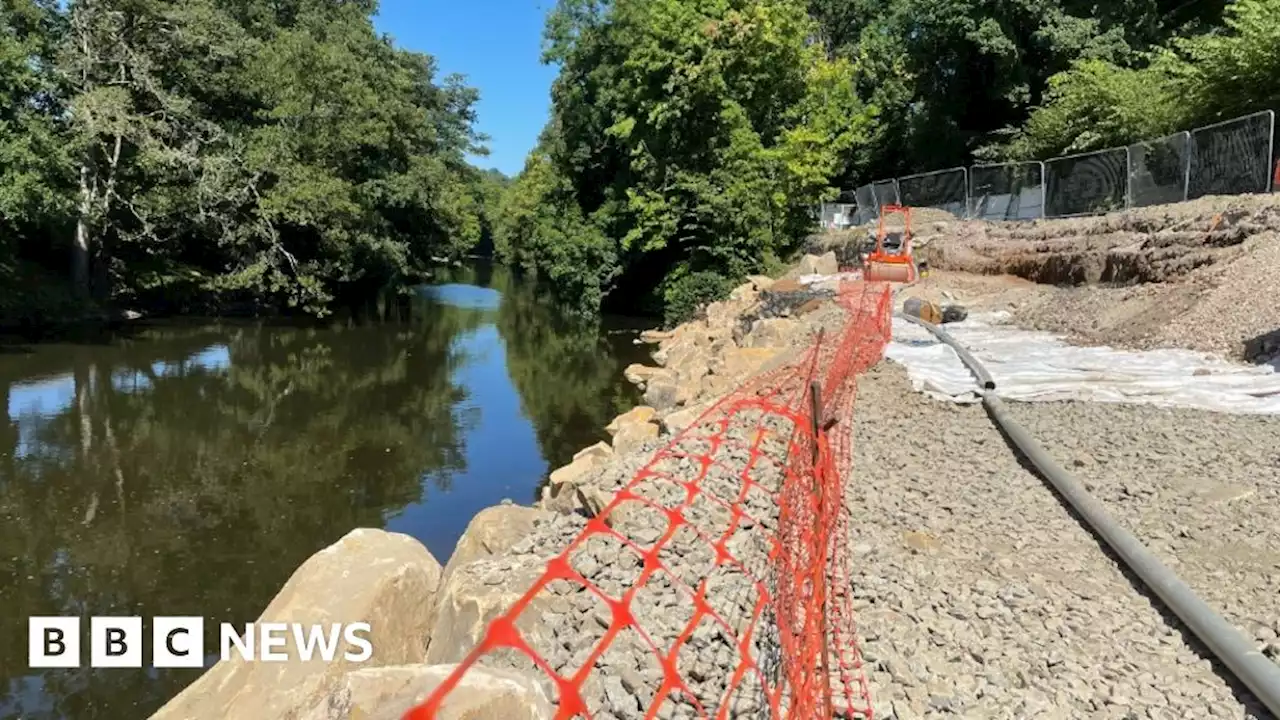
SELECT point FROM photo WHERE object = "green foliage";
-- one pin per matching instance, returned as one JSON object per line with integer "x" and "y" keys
{"x": 1224, "y": 73}
{"x": 958, "y": 81}
{"x": 688, "y": 140}
{"x": 1098, "y": 105}
{"x": 684, "y": 293}
{"x": 1236, "y": 69}
{"x": 280, "y": 154}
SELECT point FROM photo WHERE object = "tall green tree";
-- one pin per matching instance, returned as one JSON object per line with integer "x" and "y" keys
{"x": 1194, "y": 79}
{"x": 956, "y": 80}
{"x": 688, "y": 142}
{"x": 274, "y": 154}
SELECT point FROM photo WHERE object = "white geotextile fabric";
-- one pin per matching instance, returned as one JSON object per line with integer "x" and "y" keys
{"x": 1037, "y": 366}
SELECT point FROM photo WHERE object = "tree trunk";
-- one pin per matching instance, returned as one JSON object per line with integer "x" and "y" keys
{"x": 80, "y": 250}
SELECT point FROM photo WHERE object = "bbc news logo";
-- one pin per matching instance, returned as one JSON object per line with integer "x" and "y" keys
{"x": 178, "y": 642}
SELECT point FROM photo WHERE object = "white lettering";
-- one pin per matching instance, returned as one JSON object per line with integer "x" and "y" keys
{"x": 273, "y": 635}
{"x": 352, "y": 638}
{"x": 307, "y": 639}
{"x": 229, "y": 637}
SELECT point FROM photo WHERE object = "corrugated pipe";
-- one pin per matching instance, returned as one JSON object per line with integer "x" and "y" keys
{"x": 1236, "y": 652}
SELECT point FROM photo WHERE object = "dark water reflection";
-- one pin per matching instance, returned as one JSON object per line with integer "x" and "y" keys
{"x": 188, "y": 469}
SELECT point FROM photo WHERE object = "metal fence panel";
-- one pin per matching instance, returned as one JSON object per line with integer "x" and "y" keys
{"x": 1007, "y": 191}
{"x": 942, "y": 189}
{"x": 1158, "y": 170}
{"x": 1087, "y": 184}
{"x": 1232, "y": 157}
{"x": 886, "y": 192}
{"x": 838, "y": 215}
{"x": 865, "y": 196}
{"x": 1275, "y": 156}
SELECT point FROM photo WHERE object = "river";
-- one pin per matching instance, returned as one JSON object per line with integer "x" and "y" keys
{"x": 189, "y": 468}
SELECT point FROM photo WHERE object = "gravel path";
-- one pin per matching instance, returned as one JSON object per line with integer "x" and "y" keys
{"x": 567, "y": 622}
{"x": 979, "y": 595}
{"x": 1201, "y": 490}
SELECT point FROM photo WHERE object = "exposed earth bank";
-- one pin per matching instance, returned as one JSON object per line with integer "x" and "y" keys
{"x": 977, "y": 592}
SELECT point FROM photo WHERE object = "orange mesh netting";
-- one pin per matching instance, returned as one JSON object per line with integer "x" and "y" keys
{"x": 718, "y": 576}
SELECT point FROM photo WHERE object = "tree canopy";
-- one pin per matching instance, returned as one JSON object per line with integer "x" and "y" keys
{"x": 209, "y": 154}
{"x": 689, "y": 140}
{"x": 197, "y": 154}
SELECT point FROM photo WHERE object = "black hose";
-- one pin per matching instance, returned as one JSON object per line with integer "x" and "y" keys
{"x": 1235, "y": 651}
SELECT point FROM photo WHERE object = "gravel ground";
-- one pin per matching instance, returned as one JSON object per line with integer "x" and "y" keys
{"x": 568, "y": 621}
{"x": 979, "y": 594}
{"x": 1200, "y": 489}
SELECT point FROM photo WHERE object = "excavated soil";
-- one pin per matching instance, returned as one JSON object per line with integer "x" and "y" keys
{"x": 1201, "y": 275}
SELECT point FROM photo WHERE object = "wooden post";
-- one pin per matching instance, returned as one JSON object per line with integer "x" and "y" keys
{"x": 820, "y": 585}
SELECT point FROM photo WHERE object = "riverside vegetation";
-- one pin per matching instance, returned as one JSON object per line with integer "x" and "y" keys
{"x": 219, "y": 155}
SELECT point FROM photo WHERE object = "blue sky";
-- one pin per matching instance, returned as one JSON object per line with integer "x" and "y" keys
{"x": 496, "y": 44}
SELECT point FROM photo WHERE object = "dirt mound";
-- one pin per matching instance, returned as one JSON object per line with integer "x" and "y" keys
{"x": 1201, "y": 275}
{"x": 1148, "y": 245}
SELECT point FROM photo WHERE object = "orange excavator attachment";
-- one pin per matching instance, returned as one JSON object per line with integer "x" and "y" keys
{"x": 881, "y": 265}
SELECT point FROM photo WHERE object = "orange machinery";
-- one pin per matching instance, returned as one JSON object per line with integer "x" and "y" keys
{"x": 881, "y": 265}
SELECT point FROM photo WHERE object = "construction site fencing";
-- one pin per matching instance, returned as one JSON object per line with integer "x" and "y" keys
{"x": 1006, "y": 191}
{"x": 1233, "y": 157}
{"x": 944, "y": 189}
{"x": 750, "y": 567}
{"x": 838, "y": 215}
{"x": 886, "y": 193}
{"x": 868, "y": 209}
{"x": 1087, "y": 183}
{"x": 1159, "y": 170}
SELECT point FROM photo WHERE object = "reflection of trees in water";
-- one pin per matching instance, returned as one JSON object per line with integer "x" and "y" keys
{"x": 568, "y": 375}
{"x": 202, "y": 492}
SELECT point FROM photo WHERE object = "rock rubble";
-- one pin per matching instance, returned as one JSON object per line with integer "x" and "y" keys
{"x": 980, "y": 595}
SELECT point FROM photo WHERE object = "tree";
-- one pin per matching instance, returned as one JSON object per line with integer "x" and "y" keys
{"x": 1196, "y": 79}
{"x": 208, "y": 154}
{"x": 687, "y": 144}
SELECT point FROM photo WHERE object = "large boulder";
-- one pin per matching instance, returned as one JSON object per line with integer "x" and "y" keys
{"x": 825, "y": 264}
{"x": 654, "y": 337}
{"x": 482, "y": 693}
{"x": 676, "y": 422}
{"x": 770, "y": 332}
{"x": 599, "y": 451}
{"x": 385, "y": 579}
{"x": 744, "y": 293}
{"x": 638, "y": 374}
{"x": 638, "y": 414}
{"x": 476, "y": 593}
{"x": 575, "y": 472}
{"x": 661, "y": 393}
{"x": 633, "y": 436}
{"x": 492, "y": 531}
{"x": 740, "y": 363}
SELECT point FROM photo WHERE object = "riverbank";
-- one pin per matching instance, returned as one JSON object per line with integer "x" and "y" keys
{"x": 925, "y": 531}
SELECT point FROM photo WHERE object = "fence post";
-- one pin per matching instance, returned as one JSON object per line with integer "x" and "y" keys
{"x": 1271, "y": 156}
{"x": 1128, "y": 177}
{"x": 1044, "y": 191}
{"x": 966, "y": 192}
{"x": 1191, "y": 151}
{"x": 820, "y": 579}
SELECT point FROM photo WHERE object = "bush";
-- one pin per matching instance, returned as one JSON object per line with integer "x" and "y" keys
{"x": 684, "y": 293}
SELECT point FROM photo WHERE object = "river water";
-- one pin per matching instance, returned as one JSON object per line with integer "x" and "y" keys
{"x": 188, "y": 469}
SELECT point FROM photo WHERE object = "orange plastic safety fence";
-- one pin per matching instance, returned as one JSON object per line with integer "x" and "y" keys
{"x": 757, "y": 620}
